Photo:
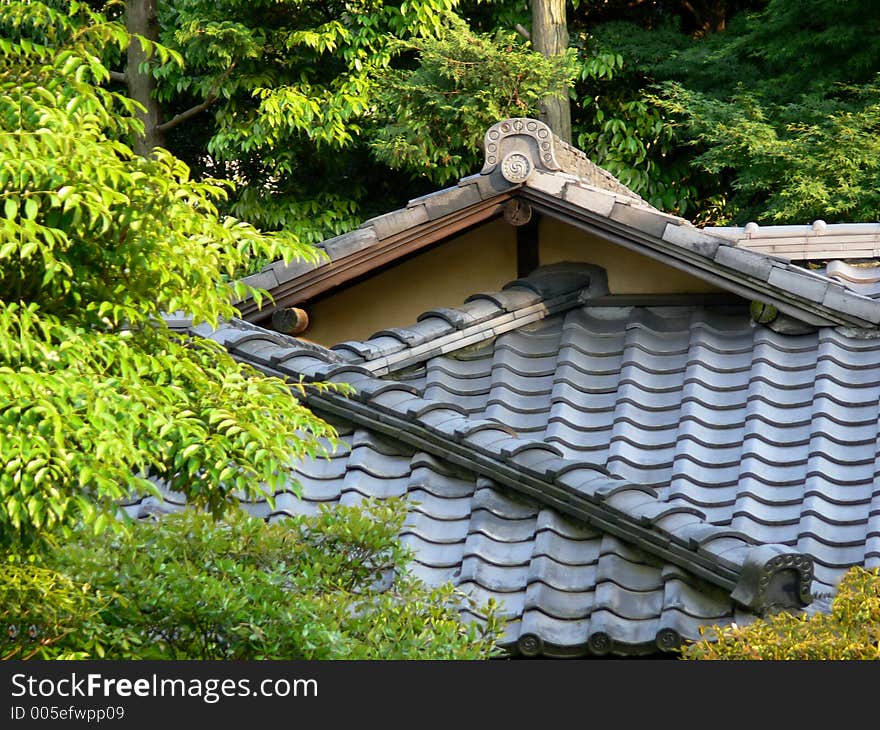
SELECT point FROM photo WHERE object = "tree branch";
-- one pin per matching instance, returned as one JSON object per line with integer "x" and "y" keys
{"x": 188, "y": 114}
{"x": 198, "y": 108}
{"x": 522, "y": 31}
{"x": 120, "y": 76}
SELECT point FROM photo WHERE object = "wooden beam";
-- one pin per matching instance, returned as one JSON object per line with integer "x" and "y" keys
{"x": 527, "y": 247}
{"x": 347, "y": 269}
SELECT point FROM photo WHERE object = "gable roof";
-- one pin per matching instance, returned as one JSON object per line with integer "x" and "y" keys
{"x": 526, "y": 162}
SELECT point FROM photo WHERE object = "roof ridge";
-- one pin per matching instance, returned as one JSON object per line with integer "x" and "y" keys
{"x": 756, "y": 575}
{"x": 809, "y": 297}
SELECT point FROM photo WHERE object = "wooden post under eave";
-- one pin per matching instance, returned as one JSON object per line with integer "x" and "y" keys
{"x": 550, "y": 38}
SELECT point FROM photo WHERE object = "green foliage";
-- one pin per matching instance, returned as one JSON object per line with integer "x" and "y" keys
{"x": 627, "y": 133}
{"x": 292, "y": 83}
{"x": 97, "y": 394}
{"x": 100, "y": 398}
{"x": 435, "y": 114}
{"x": 332, "y": 586}
{"x": 850, "y": 631}
{"x": 816, "y": 157}
{"x": 792, "y": 47}
{"x": 40, "y": 609}
{"x": 776, "y": 117}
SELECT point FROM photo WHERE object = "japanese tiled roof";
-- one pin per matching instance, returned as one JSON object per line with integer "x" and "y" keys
{"x": 848, "y": 253}
{"x": 616, "y": 473}
{"x": 616, "y": 476}
{"x": 863, "y": 278}
{"x": 817, "y": 241}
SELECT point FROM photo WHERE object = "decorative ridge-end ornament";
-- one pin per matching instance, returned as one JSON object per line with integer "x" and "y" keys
{"x": 516, "y": 167}
{"x": 518, "y": 139}
{"x": 773, "y": 578}
{"x": 514, "y": 147}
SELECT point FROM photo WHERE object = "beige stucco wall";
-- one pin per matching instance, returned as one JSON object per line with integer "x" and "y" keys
{"x": 483, "y": 259}
{"x": 628, "y": 272}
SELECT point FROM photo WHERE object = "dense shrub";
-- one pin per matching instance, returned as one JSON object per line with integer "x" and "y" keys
{"x": 332, "y": 586}
{"x": 850, "y": 631}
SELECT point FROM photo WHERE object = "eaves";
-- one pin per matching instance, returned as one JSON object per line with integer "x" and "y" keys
{"x": 377, "y": 246}
{"x": 674, "y": 242}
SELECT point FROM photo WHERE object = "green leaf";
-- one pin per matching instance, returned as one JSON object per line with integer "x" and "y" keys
{"x": 10, "y": 208}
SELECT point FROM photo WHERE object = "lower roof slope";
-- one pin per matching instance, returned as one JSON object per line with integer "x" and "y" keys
{"x": 564, "y": 588}
{"x": 583, "y": 560}
{"x": 772, "y": 435}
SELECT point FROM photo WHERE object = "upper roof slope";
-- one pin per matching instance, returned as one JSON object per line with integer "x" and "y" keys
{"x": 772, "y": 433}
{"x": 817, "y": 241}
{"x": 524, "y": 160}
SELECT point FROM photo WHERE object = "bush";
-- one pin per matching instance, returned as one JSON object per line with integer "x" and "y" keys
{"x": 40, "y": 609}
{"x": 333, "y": 586}
{"x": 850, "y": 631}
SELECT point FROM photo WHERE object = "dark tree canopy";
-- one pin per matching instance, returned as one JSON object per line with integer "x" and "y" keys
{"x": 775, "y": 118}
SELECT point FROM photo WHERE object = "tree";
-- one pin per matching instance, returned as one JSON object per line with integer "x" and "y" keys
{"x": 850, "y": 631}
{"x": 611, "y": 118}
{"x": 98, "y": 396}
{"x": 431, "y": 117}
{"x": 777, "y": 115}
{"x": 790, "y": 125}
{"x": 817, "y": 157}
{"x": 142, "y": 22}
{"x": 275, "y": 95}
{"x": 625, "y": 132}
{"x": 695, "y": 18}
{"x": 625, "y": 48}
{"x": 550, "y": 38}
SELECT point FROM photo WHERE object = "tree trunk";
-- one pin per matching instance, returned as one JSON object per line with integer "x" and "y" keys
{"x": 141, "y": 17}
{"x": 550, "y": 38}
{"x": 710, "y": 16}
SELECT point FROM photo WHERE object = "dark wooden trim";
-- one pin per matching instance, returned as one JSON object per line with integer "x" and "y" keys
{"x": 527, "y": 246}
{"x": 344, "y": 270}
